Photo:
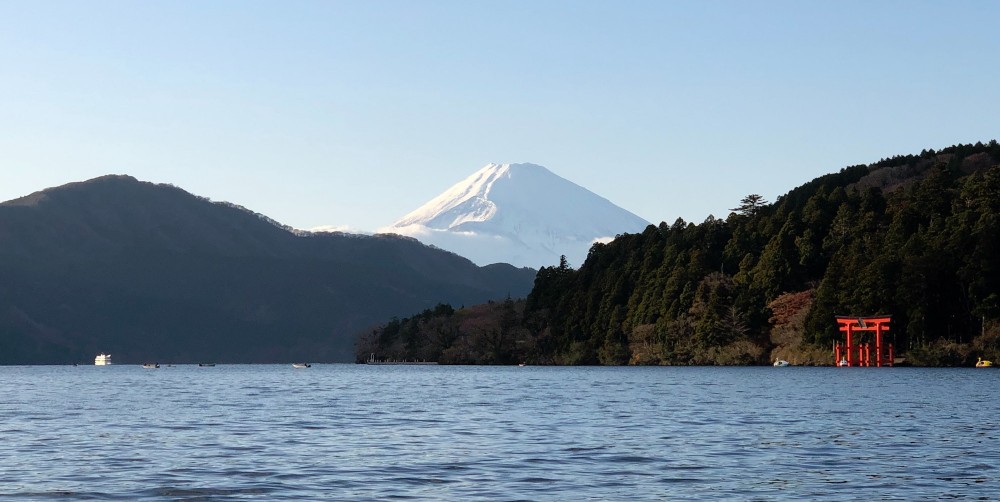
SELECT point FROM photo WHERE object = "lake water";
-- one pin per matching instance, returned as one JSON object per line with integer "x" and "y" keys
{"x": 356, "y": 432}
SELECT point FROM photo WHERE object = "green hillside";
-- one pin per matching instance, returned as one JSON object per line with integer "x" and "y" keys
{"x": 915, "y": 236}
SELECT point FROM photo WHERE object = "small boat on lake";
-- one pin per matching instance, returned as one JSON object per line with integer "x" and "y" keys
{"x": 983, "y": 363}
{"x": 780, "y": 363}
{"x": 150, "y": 366}
{"x": 843, "y": 363}
{"x": 102, "y": 359}
{"x": 206, "y": 365}
{"x": 301, "y": 365}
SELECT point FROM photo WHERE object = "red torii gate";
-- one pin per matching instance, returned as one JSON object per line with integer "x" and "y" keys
{"x": 850, "y": 354}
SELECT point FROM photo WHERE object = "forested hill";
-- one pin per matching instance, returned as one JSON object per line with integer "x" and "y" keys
{"x": 152, "y": 273}
{"x": 916, "y": 237}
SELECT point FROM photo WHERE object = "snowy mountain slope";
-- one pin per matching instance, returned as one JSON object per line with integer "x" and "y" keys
{"x": 521, "y": 214}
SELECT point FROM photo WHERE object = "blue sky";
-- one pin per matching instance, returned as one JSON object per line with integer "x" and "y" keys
{"x": 355, "y": 113}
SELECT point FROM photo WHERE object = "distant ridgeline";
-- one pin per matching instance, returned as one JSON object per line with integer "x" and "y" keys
{"x": 152, "y": 273}
{"x": 915, "y": 236}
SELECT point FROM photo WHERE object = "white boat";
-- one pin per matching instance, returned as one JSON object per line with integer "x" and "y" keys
{"x": 102, "y": 359}
{"x": 150, "y": 366}
{"x": 780, "y": 363}
{"x": 843, "y": 363}
{"x": 301, "y": 365}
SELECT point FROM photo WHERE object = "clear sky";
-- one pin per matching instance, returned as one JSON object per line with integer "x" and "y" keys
{"x": 355, "y": 113}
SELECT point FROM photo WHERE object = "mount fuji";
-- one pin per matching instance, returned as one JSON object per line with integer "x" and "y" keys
{"x": 521, "y": 214}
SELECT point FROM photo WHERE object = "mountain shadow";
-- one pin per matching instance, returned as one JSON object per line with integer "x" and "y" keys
{"x": 149, "y": 272}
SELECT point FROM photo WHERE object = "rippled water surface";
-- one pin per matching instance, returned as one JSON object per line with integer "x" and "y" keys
{"x": 356, "y": 432}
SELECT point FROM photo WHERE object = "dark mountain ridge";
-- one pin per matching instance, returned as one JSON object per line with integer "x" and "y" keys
{"x": 151, "y": 272}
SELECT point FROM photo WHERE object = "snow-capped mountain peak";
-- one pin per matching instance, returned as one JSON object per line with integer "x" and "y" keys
{"x": 521, "y": 214}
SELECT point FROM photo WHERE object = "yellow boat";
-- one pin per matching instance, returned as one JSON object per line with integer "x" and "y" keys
{"x": 981, "y": 363}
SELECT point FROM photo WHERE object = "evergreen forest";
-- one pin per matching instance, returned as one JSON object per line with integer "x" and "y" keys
{"x": 916, "y": 237}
